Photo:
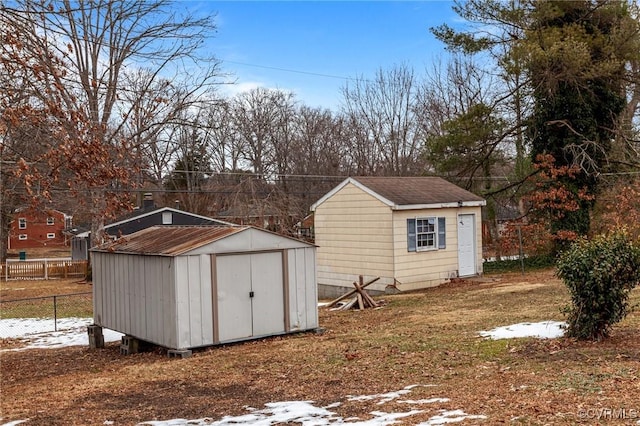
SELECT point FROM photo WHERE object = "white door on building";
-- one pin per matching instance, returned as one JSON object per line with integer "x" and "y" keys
{"x": 233, "y": 301}
{"x": 268, "y": 293}
{"x": 466, "y": 245}
{"x": 250, "y": 295}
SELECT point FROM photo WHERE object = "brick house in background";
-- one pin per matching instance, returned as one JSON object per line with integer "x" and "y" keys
{"x": 32, "y": 228}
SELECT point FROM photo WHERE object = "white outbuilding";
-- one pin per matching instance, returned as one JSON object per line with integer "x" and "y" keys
{"x": 183, "y": 287}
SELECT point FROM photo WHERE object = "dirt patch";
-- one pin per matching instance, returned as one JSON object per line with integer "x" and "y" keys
{"x": 425, "y": 338}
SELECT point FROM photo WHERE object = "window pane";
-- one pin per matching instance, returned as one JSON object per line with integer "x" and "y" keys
{"x": 426, "y": 229}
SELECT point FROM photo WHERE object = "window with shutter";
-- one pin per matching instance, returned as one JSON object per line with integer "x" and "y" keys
{"x": 427, "y": 233}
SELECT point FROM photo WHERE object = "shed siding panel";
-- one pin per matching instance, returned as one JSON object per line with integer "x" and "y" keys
{"x": 303, "y": 295}
{"x": 297, "y": 296}
{"x": 168, "y": 312}
{"x": 160, "y": 300}
{"x": 193, "y": 301}
{"x": 119, "y": 296}
{"x": 183, "y": 287}
{"x": 205, "y": 300}
{"x": 308, "y": 287}
{"x": 195, "y": 311}
{"x": 431, "y": 267}
{"x": 354, "y": 235}
{"x": 112, "y": 299}
{"x": 127, "y": 279}
{"x": 98, "y": 280}
{"x": 152, "y": 290}
{"x": 138, "y": 323}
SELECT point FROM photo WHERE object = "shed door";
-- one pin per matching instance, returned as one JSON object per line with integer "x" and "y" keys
{"x": 233, "y": 303}
{"x": 250, "y": 295}
{"x": 466, "y": 245}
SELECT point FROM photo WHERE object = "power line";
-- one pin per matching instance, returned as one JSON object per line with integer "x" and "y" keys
{"x": 317, "y": 74}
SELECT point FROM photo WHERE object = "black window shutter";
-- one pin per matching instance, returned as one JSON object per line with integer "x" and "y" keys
{"x": 442, "y": 233}
{"x": 411, "y": 235}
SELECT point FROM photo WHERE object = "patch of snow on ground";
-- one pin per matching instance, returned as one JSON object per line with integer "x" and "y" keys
{"x": 304, "y": 412}
{"x": 32, "y": 332}
{"x": 383, "y": 397}
{"x": 542, "y": 330}
{"x": 13, "y": 423}
{"x": 453, "y": 416}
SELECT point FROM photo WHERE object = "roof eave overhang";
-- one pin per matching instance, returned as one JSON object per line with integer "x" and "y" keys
{"x": 457, "y": 204}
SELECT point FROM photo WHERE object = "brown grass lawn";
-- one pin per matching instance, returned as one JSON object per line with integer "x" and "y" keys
{"x": 25, "y": 289}
{"x": 422, "y": 338}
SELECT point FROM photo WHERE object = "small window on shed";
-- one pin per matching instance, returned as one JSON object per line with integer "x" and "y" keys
{"x": 50, "y": 220}
{"x": 22, "y": 223}
{"x": 51, "y": 235}
{"x": 167, "y": 218}
{"x": 22, "y": 237}
{"x": 427, "y": 233}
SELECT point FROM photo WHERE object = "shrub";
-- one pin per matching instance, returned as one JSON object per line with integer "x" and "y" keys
{"x": 599, "y": 274}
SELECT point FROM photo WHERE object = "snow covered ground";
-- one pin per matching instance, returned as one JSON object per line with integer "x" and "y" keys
{"x": 34, "y": 332}
{"x": 541, "y": 330}
{"x": 304, "y": 412}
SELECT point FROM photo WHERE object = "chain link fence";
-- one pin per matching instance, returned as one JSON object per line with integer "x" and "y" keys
{"x": 43, "y": 314}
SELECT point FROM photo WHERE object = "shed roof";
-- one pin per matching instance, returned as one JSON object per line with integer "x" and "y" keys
{"x": 168, "y": 240}
{"x": 411, "y": 192}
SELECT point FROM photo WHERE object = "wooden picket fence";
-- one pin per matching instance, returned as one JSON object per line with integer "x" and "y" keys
{"x": 43, "y": 269}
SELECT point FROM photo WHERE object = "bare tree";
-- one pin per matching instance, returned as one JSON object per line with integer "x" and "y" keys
{"x": 98, "y": 43}
{"x": 261, "y": 118}
{"x": 384, "y": 108}
{"x": 220, "y": 135}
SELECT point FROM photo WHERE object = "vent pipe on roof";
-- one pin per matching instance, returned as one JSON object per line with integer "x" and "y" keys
{"x": 177, "y": 204}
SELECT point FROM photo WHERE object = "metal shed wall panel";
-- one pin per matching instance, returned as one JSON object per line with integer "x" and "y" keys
{"x": 134, "y": 295}
{"x": 160, "y": 317}
{"x": 303, "y": 295}
{"x": 194, "y": 301}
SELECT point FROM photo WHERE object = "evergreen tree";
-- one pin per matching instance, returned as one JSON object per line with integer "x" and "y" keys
{"x": 577, "y": 64}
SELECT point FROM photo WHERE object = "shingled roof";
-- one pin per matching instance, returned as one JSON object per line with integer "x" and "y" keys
{"x": 411, "y": 192}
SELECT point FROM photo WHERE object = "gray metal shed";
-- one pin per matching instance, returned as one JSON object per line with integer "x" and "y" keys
{"x": 184, "y": 287}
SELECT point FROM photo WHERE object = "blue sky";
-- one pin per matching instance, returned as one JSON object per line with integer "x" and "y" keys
{"x": 259, "y": 41}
